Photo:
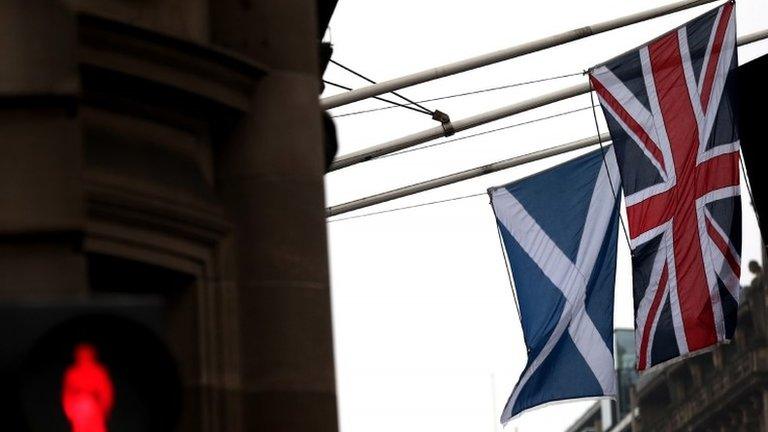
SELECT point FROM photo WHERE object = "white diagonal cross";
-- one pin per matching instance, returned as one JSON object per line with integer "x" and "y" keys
{"x": 571, "y": 279}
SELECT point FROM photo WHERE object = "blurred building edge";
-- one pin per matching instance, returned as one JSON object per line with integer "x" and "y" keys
{"x": 608, "y": 415}
{"x": 753, "y": 94}
{"x": 174, "y": 149}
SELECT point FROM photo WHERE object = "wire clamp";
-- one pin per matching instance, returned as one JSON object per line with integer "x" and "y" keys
{"x": 445, "y": 121}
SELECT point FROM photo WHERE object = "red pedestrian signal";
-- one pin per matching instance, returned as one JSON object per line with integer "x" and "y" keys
{"x": 87, "y": 393}
{"x": 96, "y": 366}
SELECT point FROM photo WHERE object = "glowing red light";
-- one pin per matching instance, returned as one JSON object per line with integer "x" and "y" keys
{"x": 87, "y": 394}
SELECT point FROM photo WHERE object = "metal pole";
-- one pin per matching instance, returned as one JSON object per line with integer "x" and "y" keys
{"x": 464, "y": 175}
{"x": 458, "y": 126}
{"x": 504, "y": 54}
{"x": 752, "y": 37}
{"x": 483, "y": 118}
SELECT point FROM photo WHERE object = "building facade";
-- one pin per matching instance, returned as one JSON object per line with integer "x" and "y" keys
{"x": 172, "y": 150}
{"x": 725, "y": 389}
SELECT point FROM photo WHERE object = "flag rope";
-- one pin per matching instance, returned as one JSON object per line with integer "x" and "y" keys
{"x": 749, "y": 191}
{"x": 509, "y": 271}
{"x": 607, "y": 170}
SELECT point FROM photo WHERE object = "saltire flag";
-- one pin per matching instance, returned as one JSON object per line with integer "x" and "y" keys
{"x": 670, "y": 110}
{"x": 559, "y": 230}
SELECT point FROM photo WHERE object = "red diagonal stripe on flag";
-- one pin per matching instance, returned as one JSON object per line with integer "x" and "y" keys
{"x": 629, "y": 121}
{"x": 652, "y": 315}
{"x": 721, "y": 244}
{"x": 709, "y": 76}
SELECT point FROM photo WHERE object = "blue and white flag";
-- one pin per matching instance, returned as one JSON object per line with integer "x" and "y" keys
{"x": 559, "y": 229}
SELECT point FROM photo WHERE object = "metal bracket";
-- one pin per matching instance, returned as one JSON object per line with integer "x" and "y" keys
{"x": 445, "y": 121}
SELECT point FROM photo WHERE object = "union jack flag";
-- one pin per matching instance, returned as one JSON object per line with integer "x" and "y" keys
{"x": 670, "y": 110}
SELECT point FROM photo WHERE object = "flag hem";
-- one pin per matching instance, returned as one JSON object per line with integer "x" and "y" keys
{"x": 683, "y": 357}
{"x": 558, "y": 402}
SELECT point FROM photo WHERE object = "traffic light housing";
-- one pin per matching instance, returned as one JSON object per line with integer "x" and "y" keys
{"x": 41, "y": 341}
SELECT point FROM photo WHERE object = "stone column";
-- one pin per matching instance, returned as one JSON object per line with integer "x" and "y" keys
{"x": 271, "y": 176}
{"x": 42, "y": 212}
{"x": 763, "y": 410}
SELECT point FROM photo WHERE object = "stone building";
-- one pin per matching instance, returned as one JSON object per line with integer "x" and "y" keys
{"x": 173, "y": 150}
{"x": 722, "y": 390}
{"x": 725, "y": 389}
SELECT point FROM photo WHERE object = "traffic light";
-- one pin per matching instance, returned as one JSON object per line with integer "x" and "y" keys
{"x": 89, "y": 366}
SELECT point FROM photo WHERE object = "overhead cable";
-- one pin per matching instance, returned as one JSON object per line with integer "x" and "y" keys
{"x": 443, "y": 118}
{"x": 408, "y": 207}
{"x": 505, "y": 54}
{"x": 358, "y": 74}
{"x": 463, "y": 175}
{"x": 467, "y": 93}
{"x": 396, "y": 104}
{"x": 423, "y": 136}
{"x": 514, "y": 125}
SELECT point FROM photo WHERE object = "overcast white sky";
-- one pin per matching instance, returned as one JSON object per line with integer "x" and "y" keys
{"x": 426, "y": 333}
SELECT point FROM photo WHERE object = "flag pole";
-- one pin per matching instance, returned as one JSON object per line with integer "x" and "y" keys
{"x": 504, "y": 54}
{"x": 752, "y": 37}
{"x": 458, "y": 126}
{"x": 483, "y": 118}
{"x": 465, "y": 175}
